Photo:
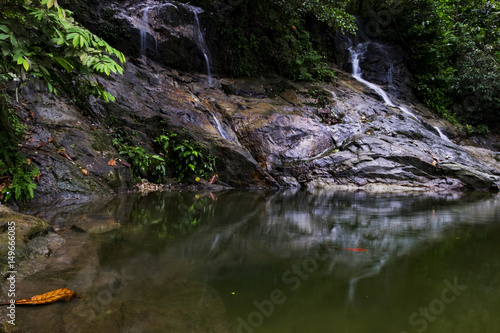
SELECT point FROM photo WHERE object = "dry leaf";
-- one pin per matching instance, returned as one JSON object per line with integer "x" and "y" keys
{"x": 112, "y": 162}
{"x": 65, "y": 155}
{"x": 124, "y": 163}
{"x": 62, "y": 294}
{"x": 51, "y": 139}
{"x": 354, "y": 249}
{"x": 84, "y": 172}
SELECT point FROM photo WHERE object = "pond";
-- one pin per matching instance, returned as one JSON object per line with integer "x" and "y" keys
{"x": 281, "y": 262}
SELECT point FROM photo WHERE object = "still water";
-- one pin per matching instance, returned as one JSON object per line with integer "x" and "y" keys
{"x": 274, "y": 262}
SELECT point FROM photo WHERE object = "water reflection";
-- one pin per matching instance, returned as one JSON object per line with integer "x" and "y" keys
{"x": 211, "y": 256}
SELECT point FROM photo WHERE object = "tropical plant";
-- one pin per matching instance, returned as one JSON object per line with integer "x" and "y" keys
{"x": 41, "y": 40}
{"x": 141, "y": 160}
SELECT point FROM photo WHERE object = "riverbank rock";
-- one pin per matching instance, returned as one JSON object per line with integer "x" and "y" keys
{"x": 264, "y": 132}
{"x": 34, "y": 239}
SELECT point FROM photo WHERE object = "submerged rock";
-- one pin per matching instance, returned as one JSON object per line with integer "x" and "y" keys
{"x": 34, "y": 239}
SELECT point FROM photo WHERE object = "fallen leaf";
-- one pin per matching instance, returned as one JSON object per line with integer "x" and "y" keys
{"x": 84, "y": 172}
{"x": 112, "y": 162}
{"x": 62, "y": 294}
{"x": 354, "y": 249}
{"x": 32, "y": 115}
{"x": 124, "y": 163}
{"x": 51, "y": 139}
{"x": 63, "y": 153}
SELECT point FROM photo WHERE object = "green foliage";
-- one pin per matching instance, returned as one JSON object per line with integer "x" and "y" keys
{"x": 454, "y": 49}
{"x": 16, "y": 172}
{"x": 141, "y": 160}
{"x": 186, "y": 156}
{"x": 183, "y": 155}
{"x": 40, "y": 39}
{"x": 273, "y": 36}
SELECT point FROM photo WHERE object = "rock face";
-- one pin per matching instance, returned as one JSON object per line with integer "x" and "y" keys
{"x": 265, "y": 132}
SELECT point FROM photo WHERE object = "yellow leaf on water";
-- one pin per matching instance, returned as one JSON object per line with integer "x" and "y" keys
{"x": 62, "y": 294}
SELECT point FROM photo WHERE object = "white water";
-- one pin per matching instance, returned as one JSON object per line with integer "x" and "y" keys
{"x": 201, "y": 41}
{"x": 221, "y": 129}
{"x": 356, "y": 54}
{"x": 441, "y": 134}
{"x": 144, "y": 31}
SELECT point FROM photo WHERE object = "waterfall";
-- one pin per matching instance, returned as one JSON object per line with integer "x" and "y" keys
{"x": 144, "y": 32}
{"x": 356, "y": 54}
{"x": 201, "y": 41}
{"x": 441, "y": 134}
{"x": 223, "y": 133}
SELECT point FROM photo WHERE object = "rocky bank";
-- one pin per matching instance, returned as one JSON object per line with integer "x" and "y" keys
{"x": 264, "y": 132}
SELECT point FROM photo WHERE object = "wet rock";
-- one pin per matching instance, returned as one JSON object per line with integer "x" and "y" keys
{"x": 34, "y": 241}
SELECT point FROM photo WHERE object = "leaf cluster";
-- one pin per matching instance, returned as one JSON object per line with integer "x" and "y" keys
{"x": 259, "y": 37}
{"x": 184, "y": 156}
{"x": 41, "y": 40}
{"x": 454, "y": 49}
{"x": 16, "y": 171}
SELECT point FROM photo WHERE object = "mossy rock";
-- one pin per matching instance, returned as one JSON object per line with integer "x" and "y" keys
{"x": 33, "y": 238}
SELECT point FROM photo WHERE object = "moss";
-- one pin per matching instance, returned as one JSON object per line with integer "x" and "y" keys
{"x": 26, "y": 228}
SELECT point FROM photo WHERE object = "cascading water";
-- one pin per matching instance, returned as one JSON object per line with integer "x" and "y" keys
{"x": 221, "y": 129}
{"x": 201, "y": 41}
{"x": 356, "y": 54}
{"x": 441, "y": 134}
{"x": 144, "y": 31}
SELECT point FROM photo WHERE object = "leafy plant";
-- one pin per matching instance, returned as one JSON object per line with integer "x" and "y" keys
{"x": 40, "y": 39}
{"x": 16, "y": 171}
{"x": 186, "y": 156}
{"x": 141, "y": 160}
{"x": 188, "y": 159}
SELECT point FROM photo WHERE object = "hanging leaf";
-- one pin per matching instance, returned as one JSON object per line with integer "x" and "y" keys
{"x": 62, "y": 294}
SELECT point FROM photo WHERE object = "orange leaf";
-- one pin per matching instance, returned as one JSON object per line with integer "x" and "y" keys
{"x": 354, "y": 249}
{"x": 62, "y": 294}
{"x": 84, "y": 172}
{"x": 51, "y": 139}
{"x": 112, "y": 162}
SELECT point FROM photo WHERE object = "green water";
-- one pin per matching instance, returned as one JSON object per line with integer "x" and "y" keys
{"x": 276, "y": 262}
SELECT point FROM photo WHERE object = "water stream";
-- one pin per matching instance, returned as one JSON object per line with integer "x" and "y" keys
{"x": 277, "y": 262}
{"x": 201, "y": 42}
{"x": 221, "y": 129}
{"x": 356, "y": 55}
{"x": 144, "y": 31}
